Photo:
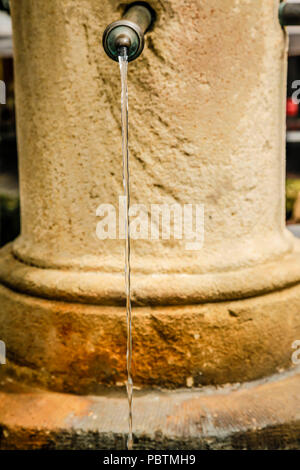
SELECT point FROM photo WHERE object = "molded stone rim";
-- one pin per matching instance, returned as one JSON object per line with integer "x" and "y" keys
{"x": 101, "y": 288}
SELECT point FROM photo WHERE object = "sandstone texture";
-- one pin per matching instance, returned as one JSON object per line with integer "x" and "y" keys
{"x": 207, "y": 126}
{"x": 73, "y": 347}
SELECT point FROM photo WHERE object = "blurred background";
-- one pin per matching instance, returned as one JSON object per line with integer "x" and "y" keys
{"x": 9, "y": 192}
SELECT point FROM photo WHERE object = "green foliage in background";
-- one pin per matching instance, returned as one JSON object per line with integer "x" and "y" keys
{"x": 292, "y": 191}
{"x": 9, "y": 218}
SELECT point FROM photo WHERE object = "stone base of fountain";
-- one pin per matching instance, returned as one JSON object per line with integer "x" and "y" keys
{"x": 73, "y": 346}
{"x": 256, "y": 415}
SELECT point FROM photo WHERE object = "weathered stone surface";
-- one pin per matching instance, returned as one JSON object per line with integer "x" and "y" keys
{"x": 100, "y": 288}
{"x": 203, "y": 130}
{"x": 76, "y": 347}
{"x": 251, "y": 416}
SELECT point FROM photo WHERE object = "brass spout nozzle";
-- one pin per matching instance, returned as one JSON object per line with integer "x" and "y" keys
{"x": 128, "y": 32}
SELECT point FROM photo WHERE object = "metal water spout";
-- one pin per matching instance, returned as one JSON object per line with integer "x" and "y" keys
{"x": 289, "y": 14}
{"x": 128, "y": 32}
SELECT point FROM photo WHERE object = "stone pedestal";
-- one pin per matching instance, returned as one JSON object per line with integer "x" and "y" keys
{"x": 207, "y": 127}
{"x": 237, "y": 417}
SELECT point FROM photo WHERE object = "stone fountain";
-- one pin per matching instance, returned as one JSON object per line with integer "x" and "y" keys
{"x": 213, "y": 328}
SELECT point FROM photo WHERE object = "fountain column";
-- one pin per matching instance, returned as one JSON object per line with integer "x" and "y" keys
{"x": 207, "y": 127}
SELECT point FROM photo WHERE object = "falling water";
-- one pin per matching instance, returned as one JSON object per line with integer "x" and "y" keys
{"x": 123, "y": 62}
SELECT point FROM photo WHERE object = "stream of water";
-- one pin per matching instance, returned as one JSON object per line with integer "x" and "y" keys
{"x": 123, "y": 62}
